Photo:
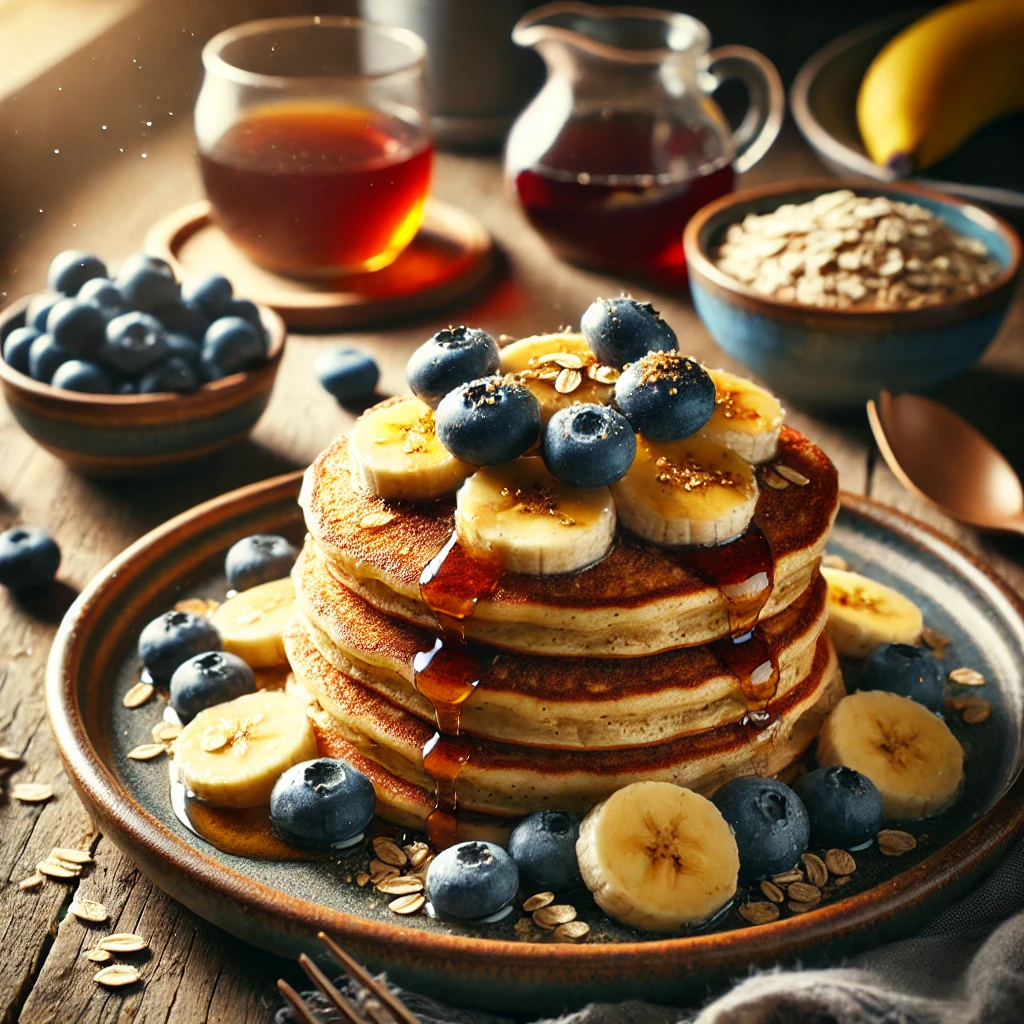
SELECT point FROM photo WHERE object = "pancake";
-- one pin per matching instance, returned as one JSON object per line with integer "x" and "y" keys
{"x": 544, "y": 701}
{"x": 510, "y": 780}
{"x": 641, "y": 599}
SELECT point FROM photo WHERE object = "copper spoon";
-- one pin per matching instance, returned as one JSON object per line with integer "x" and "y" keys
{"x": 940, "y": 457}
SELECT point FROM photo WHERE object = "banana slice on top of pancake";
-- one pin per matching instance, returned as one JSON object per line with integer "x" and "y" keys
{"x": 747, "y": 418}
{"x": 693, "y": 491}
{"x": 532, "y": 522}
{"x": 395, "y": 453}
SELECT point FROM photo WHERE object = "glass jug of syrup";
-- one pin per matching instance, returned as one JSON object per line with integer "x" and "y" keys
{"x": 623, "y": 144}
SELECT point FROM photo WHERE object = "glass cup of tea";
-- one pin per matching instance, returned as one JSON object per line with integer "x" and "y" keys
{"x": 314, "y": 142}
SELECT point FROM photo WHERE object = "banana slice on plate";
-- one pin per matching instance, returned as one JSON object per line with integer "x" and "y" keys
{"x": 658, "y": 857}
{"x": 747, "y": 418}
{"x": 693, "y": 491}
{"x": 864, "y": 614}
{"x": 531, "y": 521}
{"x": 905, "y": 750}
{"x": 252, "y": 623}
{"x": 394, "y": 453}
{"x": 559, "y": 369}
{"x": 231, "y": 755}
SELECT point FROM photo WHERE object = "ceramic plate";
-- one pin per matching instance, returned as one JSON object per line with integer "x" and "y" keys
{"x": 281, "y": 905}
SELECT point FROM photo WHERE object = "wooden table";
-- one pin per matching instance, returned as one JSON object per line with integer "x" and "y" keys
{"x": 196, "y": 972}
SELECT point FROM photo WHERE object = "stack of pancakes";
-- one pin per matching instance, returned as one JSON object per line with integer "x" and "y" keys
{"x": 590, "y": 681}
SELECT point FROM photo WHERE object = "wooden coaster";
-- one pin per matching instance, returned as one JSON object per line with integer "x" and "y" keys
{"x": 450, "y": 256}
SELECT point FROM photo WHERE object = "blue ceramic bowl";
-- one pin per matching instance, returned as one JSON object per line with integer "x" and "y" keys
{"x": 833, "y": 360}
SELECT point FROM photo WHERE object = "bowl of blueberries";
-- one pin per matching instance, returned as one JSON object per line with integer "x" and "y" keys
{"x": 136, "y": 374}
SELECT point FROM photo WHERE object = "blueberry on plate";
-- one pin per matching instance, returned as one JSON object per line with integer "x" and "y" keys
{"x": 323, "y": 803}
{"x": 101, "y": 293}
{"x": 231, "y": 345}
{"x": 588, "y": 445}
{"x": 347, "y": 373}
{"x": 666, "y": 396}
{"x": 135, "y": 343}
{"x": 844, "y": 806}
{"x": 909, "y": 671}
{"x": 543, "y": 845}
{"x": 16, "y": 346}
{"x": 183, "y": 318}
{"x": 146, "y": 282}
{"x": 77, "y": 327}
{"x": 82, "y": 375}
{"x": 213, "y": 677}
{"x": 174, "y": 375}
{"x": 488, "y": 421}
{"x": 29, "y": 558}
{"x": 257, "y": 559}
{"x": 622, "y": 330}
{"x": 71, "y": 269}
{"x": 173, "y": 638}
{"x": 38, "y": 309}
{"x": 451, "y": 357}
{"x": 770, "y": 824}
{"x": 44, "y": 357}
{"x": 211, "y": 294}
{"x": 472, "y": 881}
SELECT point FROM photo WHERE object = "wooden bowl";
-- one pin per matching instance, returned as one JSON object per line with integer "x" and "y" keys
{"x": 118, "y": 436}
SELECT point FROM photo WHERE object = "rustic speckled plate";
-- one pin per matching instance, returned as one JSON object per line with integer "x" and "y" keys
{"x": 281, "y": 905}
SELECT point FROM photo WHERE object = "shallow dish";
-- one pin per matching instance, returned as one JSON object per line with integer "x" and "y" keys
{"x": 834, "y": 360}
{"x": 280, "y": 905}
{"x": 140, "y": 435}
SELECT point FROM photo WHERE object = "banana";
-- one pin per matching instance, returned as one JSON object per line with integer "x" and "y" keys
{"x": 864, "y": 614}
{"x": 539, "y": 361}
{"x": 532, "y": 522}
{"x": 746, "y": 419}
{"x": 693, "y": 491}
{"x": 939, "y": 80}
{"x": 395, "y": 453}
{"x": 657, "y": 856}
{"x": 906, "y": 751}
{"x": 251, "y": 623}
{"x": 231, "y": 755}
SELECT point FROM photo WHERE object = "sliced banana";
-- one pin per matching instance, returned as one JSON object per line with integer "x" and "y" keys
{"x": 532, "y": 522}
{"x": 905, "y": 750}
{"x": 693, "y": 491}
{"x": 394, "y": 453}
{"x": 864, "y": 614}
{"x": 540, "y": 362}
{"x": 746, "y": 419}
{"x": 231, "y": 755}
{"x": 251, "y": 623}
{"x": 658, "y": 857}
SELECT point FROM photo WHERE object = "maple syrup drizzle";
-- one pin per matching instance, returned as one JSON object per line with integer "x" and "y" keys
{"x": 451, "y": 585}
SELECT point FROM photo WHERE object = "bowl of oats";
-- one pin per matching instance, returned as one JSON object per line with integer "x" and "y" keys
{"x": 832, "y": 295}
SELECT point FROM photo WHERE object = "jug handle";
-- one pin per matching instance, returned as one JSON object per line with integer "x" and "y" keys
{"x": 766, "y": 99}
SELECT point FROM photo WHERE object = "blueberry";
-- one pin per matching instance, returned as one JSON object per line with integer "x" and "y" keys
{"x": 181, "y": 346}
{"x": 211, "y": 294}
{"x": 173, "y": 638}
{"x": 248, "y": 311}
{"x": 44, "y": 357}
{"x": 622, "y": 330}
{"x": 38, "y": 309}
{"x": 589, "y": 445}
{"x": 844, "y": 806}
{"x": 16, "y": 346}
{"x": 543, "y": 845}
{"x": 174, "y": 375}
{"x": 322, "y": 803}
{"x": 488, "y": 421}
{"x": 470, "y": 881}
{"x": 77, "y": 327}
{"x": 909, "y": 671}
{"x": 666, "y": 396}
{"x": 135, "y": 343}
{"x": 231, "y": 345}
{"x": 146, "y": 282}
{"x": 183, "y": 318}
{"x": 127, "y": 387}
{"x": 29, "y": 558}
{"x": 346, "y": 373}
{"x": 770, "y": 824}
{"x": 101, "y": 293}
{"x": 212, "y": 677}
{"x": 82, "y": 375}
{"x": 450, "y": 358}
{"x": 71, "y": 269}
{"x": 258, "y": 559}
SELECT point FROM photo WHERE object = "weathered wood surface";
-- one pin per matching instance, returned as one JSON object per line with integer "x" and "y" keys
{"x": 193, "y": 972}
